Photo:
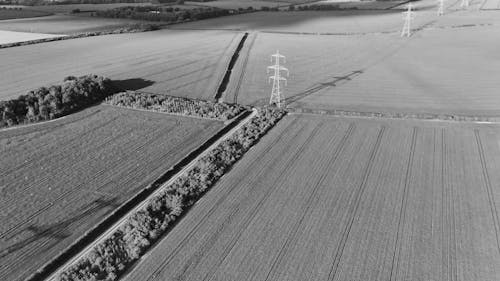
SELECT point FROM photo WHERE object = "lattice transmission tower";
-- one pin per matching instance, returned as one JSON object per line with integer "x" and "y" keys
{"x": 440, "y": 11}
{"x": 464, "y": 4}
{"x": 408, "y": 16}
{"x": 276, "y": 93}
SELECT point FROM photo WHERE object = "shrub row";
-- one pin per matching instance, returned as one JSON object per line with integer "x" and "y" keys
{"x": 161, "y": 13}
{"x": 130, "y": 28}
{"x": 175, "y": 105}
{"x": 110, "y": 258}
{"x": 55, "y": 101}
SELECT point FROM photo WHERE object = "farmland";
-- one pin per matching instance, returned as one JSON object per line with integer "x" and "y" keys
{"x": 177, "y": 63}
{"x": 346, "y": 199}
{"x": 378, "y": 72}
{"x": 64, "y": 24}
{"x": 60, "y": 178}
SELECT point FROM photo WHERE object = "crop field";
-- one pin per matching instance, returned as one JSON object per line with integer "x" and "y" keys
{"x": 58, "y": 179}
{"x": 13, "y": 36}
{"x": 64, "y": 24}
{"x": 6, "y": 14}
{"x": 377, "y": 72}
{"x": 328, "y": 22}
{"x": 177, "y": 63}
{"x": 323, "y": 198}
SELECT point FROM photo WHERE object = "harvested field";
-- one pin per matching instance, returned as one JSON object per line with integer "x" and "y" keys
{"x": 58, "y": 179}
{"x": 64, "y": 24}
{"x": 13, "y": 36}
{"x": 323, "y": 198}
{"x": 377, "y": 72}
{"x": 189, "y": 64}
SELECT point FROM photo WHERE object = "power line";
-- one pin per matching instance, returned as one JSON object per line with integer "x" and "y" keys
{"x": 276, "y": 93}
{"x": 407, "y": 16}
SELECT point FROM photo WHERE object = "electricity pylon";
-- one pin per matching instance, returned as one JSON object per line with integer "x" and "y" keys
{"x": 440, "y": 11}
{"x": 464, "y": 4}
{"x": 276, "y": 94}
{"x": 407, "y": 16}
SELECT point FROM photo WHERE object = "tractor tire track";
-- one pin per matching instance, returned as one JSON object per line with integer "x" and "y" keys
{"x": 398, "y": 245}
{"x": 489, "y": 189}
{"x": 291, "y": 238}
{"x": 353, "y": 208}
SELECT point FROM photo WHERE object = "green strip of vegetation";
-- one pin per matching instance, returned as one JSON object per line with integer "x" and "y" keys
{"x": 176, "y": 105}
{"x": 55, "y": 101}
{"x": 109, "y": 259}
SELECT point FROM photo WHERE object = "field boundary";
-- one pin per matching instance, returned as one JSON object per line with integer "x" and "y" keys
{"x": 115, "y": 219}
{"x": 479, "y": 119}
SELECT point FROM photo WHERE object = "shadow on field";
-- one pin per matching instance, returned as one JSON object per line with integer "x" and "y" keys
{"x": 323, "y": 85}
{"x": 133, "y": 84}
{"x": 56, "y": 231}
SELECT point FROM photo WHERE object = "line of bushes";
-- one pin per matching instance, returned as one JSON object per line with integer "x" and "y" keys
{"x": 161, "y": 13}
{"x": 129, "y": 28}
{"x": 109, "y": 259}
{"x": 47, "y": 103}
{"x": 175, "y": 105}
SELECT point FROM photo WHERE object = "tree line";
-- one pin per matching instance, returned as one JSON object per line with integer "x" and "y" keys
{"x": 47, "y": 103}
{"x": 175, "y": 105}
{"x": 160, "y": 13}
{"x": 109, "y": 259}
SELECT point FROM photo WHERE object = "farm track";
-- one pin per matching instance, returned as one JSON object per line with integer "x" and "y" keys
{"x": 140, "y": 200}
{"x": 220, "y": 201}
{"x": 243, "y": 69}
{"x": 38, "y": 234}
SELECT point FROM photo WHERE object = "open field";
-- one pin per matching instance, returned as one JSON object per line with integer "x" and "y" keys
{"x": 323, "y": 198}
{"x": 178, "y": 63}
{"x": 13, "y": 36}
{"x": 426, "y": 73}
{"x": 6, "y": 14}
{"x": 64, "y": 24}
{"x": 60, "y": 178}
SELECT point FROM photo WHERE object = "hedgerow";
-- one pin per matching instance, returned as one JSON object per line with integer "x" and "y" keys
{"x": 175, "y": 105}
{"x": 47, "y": 103}
{"x": 109, "y": 259}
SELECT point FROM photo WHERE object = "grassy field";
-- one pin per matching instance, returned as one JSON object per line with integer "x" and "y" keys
{"x": 60, "y": 178}
{"x": 378, "y": 72}
{"x": 177, "y": 63}
{"x": 323, "y": 198}
{"x": 6, "y": 14}
{"x": 13, "y": 36}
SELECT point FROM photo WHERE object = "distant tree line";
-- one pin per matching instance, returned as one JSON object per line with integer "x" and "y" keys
{"x": 47, "y": 103}
{"x": 63, "y": 2}
{"x": 129, "y": 28}
{"x": 176, "y": 105}
{"x": 163, "y": 14}
{"x": 109, "y": 259}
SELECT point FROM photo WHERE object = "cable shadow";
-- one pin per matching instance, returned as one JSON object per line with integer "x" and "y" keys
{"x": 56, "y": 231}
{"x": 323, "y": 85}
